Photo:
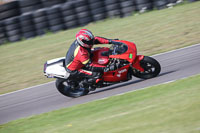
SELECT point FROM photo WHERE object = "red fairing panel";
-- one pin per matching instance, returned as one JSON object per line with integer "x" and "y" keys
{"x": 98, "y": 60}
{"x": 136, "y": 63}
{"x": 117, "y": 75}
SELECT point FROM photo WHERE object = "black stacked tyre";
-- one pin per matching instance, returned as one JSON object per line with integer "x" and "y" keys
{"x": 69, "y": 15}
{"x": 83, "y": 12}
{"x": 98, "y": 10}
{"x": 161, "y": 4}
{"x": 27, "y": 25}
{"x": 2, "y": 33}
{"x": 112, "y": 8}
{"x": 9, "y": 10}
{"x": 40, "y": 21}
{"x": 13, "y": 29}
{"x": 172, "y": 1}
{"x": 127, "y": 7}
{"x": 55, "y": 19}
{"x": 29, "y": 5}
{"x": 49, "y": 3}
{"x": 144, "y": 5}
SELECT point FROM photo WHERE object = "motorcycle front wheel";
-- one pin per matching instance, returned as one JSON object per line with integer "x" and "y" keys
{"x": 63, "y": 87}
{"x": 151, "y": 68}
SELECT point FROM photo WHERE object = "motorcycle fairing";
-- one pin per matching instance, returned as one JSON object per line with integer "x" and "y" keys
{"x": 136, "y": 63}
{"x": 117, "y": 75}
{"x": 99, "y": 58}
{"x": 130, "y": 53}
{"x": 55, "y": 68}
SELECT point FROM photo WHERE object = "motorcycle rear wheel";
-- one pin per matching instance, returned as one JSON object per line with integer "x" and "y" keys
{"x": 151, "y": 68}
{"x": 66, "y": 90}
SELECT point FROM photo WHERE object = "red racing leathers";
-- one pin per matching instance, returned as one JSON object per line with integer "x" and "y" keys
{"x": 77, "y": 57}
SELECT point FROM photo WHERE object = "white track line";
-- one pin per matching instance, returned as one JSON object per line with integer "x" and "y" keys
{"x": 54, "y": 81}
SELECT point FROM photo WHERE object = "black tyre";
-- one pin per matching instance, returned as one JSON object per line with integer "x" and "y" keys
{"x": 70, "y": 18}
{"x": 9, "y": 13}
{"x": 151, "y": 68}
{"x": 160, "y": 4}
{"x": 29, "y": 34}
{"x": 12, "y": 20}
{"x": 26, "y": 16}
{"x": 66, "y": 90}
{"x": 57, "y": 28}
{"x": 40, "y": 19}
{"x": 54, "y": 16}
{"x": 98, "y": 11}
{"x": 49, "y": 3}
{"x": 96, "y": 5}
{"x": 146, "y": 6}
{"x": 67, "y": 6}
{"x": 13, "y": 32}
{"x": 112, "y": 7}
{"x": 30, "y": 8}
{"x": 113, "y": 13}
{"x": 14, "y": 38}
{"x": 9, "y": 6}
{"x": 24, "y": 3}
{"x": 126, "y": 4}
{"x": 68, "y": 12}
{"x": 12, "y": 27}
{"x": 42, "y": 25}
{"x": 83, "y": 14}
{"x": 108, "y": 2}
{"x": 26, "y": 22}
{"x": 27, "y": 28}
{"x": 41, "y": 31}
{"x": 85, "y": 21}
{"x": 79, "y": 3}
{"x": 82, "y": 8}
{"x": 128, "y": 9}
{"x": 71, "y": 24}
{"x": 98, "y": 17}
{"x": 54, "y": 9}
{"x": 40, "y": 13}
{"x": 55, "y": 22}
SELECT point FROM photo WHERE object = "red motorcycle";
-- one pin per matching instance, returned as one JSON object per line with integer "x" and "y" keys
{"x": 124, "y": 56}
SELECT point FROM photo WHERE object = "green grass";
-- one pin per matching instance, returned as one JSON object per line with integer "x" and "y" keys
{"x": 21, "y": 63}
{"x": 167, "y": 108}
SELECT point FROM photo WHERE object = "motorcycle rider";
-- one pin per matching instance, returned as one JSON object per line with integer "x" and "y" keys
{"x": 78, "y": 57}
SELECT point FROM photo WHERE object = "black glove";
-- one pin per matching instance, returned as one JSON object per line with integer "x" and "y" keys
{"x": 115, "y": 43}
{"x": 110, "y": 40}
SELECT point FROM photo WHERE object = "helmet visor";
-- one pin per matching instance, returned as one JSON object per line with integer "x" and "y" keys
{"x": 90, "y": 42}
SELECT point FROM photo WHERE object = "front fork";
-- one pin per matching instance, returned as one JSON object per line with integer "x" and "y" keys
{"x": 136, "y": 63}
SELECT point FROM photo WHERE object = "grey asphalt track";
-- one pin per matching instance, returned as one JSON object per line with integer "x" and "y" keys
{"x": 44, "y": 98}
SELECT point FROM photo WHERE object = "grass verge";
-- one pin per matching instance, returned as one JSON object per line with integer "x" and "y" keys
{"x": 169, "y": 108}
{"x": 21, "y": 63}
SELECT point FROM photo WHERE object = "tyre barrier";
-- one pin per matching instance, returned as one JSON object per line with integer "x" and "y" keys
{"x": 13, "y": 29}
{"x": 9, "y": 10}
{"x": 29, "y": 18}
{"x": 69, "y": 15}
{"x": 29, "y": 5}
{"x": 27, "y": 25}
{"x": 3, "y": 38}
{"x": 41, "y": 21}
{"x": 55, "y": 18}
{"x": 127, "y": 7}
{"x": 144, "y": 5}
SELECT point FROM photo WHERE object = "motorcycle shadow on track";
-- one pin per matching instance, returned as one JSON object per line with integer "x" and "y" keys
{"x": 129, "y": 83}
